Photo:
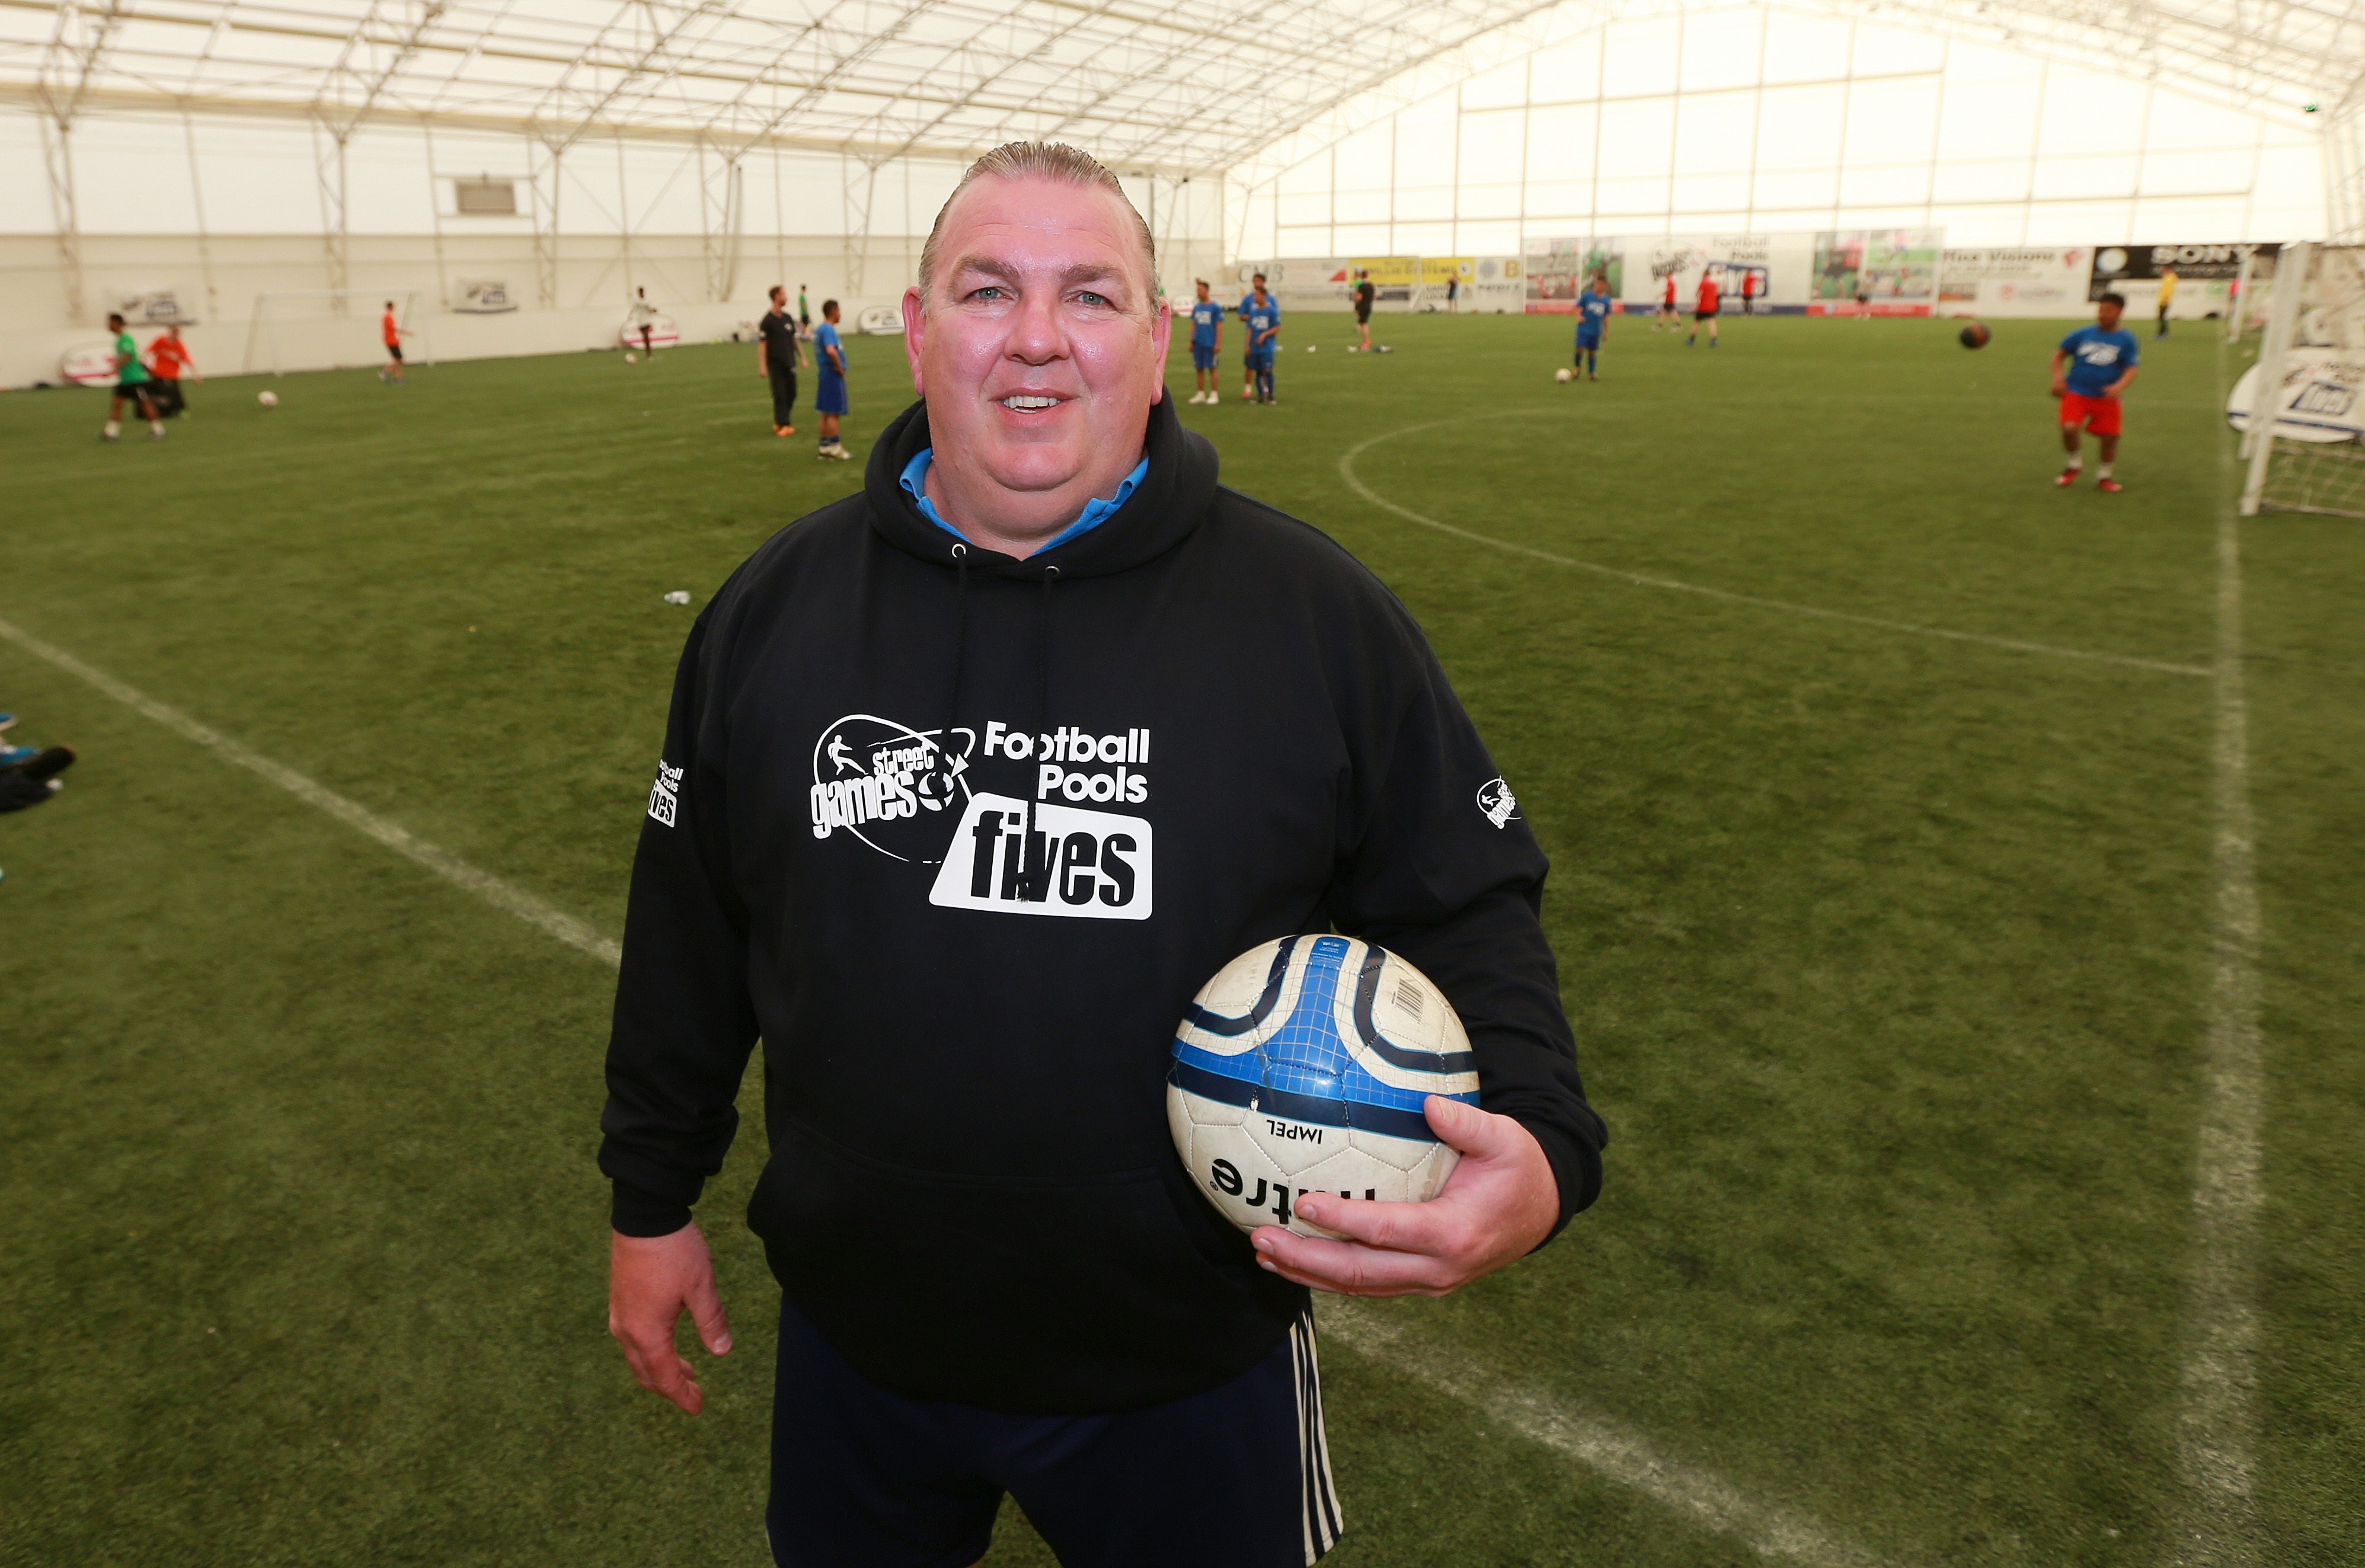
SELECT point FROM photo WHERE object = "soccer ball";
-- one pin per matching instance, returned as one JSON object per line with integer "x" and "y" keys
{"x": 1302, "y": 1066}
{"x": 1311, "y": 347}
{"x": 1564, "y": 374}
{"x": 268, "y": 399}
{"x": 1974, "y": 336}
{"x": 632, "y": 359}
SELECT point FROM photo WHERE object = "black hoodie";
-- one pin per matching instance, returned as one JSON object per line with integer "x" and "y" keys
{"x": 1226, "y": 730}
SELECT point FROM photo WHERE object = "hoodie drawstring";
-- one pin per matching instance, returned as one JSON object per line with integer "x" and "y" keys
{"x": 1036, "y": 878}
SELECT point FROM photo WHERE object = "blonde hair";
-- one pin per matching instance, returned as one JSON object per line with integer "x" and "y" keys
{"x": 1038, "y": 161}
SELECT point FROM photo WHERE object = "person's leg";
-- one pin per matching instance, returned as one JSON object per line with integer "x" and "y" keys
{"x": 860, "y": 1475}
{"x": 2073, "y": 441}
{"x": 2106, "y": 435}
{"x": 790, "y": 423}
{"x": 1713, "y": 322}
{"x": 1239, "y": 1475}
{"x": 148, "y": 412}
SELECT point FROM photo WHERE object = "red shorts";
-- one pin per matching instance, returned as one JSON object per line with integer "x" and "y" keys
{"x": 2099, "y": 415}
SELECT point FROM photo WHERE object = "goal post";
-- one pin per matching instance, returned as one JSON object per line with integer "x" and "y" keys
{"x": 317, "y": 327}
{"x": 2302, "y": 407}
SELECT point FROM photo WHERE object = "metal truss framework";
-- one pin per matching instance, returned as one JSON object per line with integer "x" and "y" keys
{"x": 1237, "y": 88}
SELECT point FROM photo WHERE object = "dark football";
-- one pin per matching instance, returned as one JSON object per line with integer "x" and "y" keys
{"x": 1975, "y": 335}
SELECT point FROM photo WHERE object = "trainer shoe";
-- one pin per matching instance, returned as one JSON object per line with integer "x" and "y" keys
{"x": 2069, "y": 477}
{"x": 10, "y": 755}
{"x": 2113, "y": 486}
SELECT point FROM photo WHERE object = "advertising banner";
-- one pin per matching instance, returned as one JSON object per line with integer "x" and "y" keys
{"x": 2205, "y": 274}
{"x": 1876, "y": 272}
{"x": 1753, "y": 272}
{"x": 1318, "y": 283}
{"x": 2319, "y": 402}
{"x": 1500, "y": 285}
{"x": 2026, "y": 280}
{"x": 1558, "y": 270}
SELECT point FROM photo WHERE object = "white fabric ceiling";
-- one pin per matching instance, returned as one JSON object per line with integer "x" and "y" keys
{"x": 1209, "y": 88}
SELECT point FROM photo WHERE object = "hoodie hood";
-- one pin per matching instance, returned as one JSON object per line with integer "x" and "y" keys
{"x": 1168, "y": 506}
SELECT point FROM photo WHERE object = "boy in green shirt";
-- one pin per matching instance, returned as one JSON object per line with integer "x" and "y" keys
{"x": 131, "y": 381}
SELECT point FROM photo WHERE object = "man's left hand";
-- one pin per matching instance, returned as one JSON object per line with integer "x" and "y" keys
{"x": 1497, "y": 1207}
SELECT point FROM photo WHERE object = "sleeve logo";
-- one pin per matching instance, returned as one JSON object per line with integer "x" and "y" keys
{"x": 664, "y": 795}
{"x": 1495, "y": 798}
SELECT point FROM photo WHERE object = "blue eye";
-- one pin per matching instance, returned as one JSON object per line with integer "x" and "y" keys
{"x": 989, "y": 290}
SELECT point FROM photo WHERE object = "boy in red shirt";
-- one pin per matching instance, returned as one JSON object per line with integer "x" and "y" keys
{"x": 1704, "y": 309}
{"x": 168, "y": 356}
{"x": 1668, "y": 314}
{"x": 393, "y": 332}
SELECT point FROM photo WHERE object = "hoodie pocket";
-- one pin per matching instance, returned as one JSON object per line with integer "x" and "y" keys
{"x": 1053, "y": 1295}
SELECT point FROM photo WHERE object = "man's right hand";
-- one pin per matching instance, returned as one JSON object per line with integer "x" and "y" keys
{"x": 652, "y": 1281}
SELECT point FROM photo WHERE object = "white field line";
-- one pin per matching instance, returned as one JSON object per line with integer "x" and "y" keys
{"x": 1538, "y": 1416}
{"x": 1643, "y": 580}
{"x": 2217, "y": 1423}
{"x": 500, "y": 894}
{"x": 1533, "y": 1413}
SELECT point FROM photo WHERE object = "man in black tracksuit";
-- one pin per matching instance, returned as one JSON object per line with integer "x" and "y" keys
{"x": 970, "y": 781}
{"x": 778, "y": 353}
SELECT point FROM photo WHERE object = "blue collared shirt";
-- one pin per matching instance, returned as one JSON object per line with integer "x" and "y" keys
{"x": 1095, "y": 512}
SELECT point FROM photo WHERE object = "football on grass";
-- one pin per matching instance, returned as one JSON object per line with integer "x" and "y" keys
{"x": 1302, "y": 1066}
{"x": 268, "y": 399}
{"x": 1564, "y": 374}
{"x": 1974, "y": 336}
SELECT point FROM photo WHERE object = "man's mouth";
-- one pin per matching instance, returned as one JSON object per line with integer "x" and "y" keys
{"x": 1027, "y": 402}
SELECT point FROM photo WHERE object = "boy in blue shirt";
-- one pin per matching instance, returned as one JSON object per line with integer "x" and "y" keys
{"x": 1206, "y": 337}
{"x": 830, "y": 402}
{"x": 1592, "y": 321}
{"x": 2102, "y": 363}
{"x": 1261, "y": 312}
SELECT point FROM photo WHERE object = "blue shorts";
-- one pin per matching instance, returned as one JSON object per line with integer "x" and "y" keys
{"x": 1261, "y": 360}
{"x": 863, "y": 1478}
{"x": 1588, "y": 340}
{"x": 1202, "y": 356}
{"x": 831, "y": 397}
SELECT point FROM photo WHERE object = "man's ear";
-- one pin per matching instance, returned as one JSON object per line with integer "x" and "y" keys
{"x": 915, "y": 333}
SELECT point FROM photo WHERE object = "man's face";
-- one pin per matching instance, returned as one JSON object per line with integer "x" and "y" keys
{"x": 1040, "y": 349}
{"x": 2108, "y": 316}
{"x": 830, "y": 315}
{"x": 1203, "y": 294}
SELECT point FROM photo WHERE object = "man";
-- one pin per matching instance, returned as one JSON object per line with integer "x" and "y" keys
{"x": 393, "y": 332}
{"x": 1206, "y": 342}
{"x": 168, "y": 356}
{"x": 1668, "y": 316}
{"x": 645, "y": 318}
{"x": 1452, "y": 294}
{"x": 1749, "y": 292}
{"x": 2100, "y": 362}
{"x": 1704, "y": 308}
{"x": 777, "y": 355}
{"x": 1364, "y": 294}
{"x": 830, "y": 401}
{"x": 1592, "y": 321}
{"x": 2167, "y": 296}
{"x": 804, "y": 311}
{"x": 1260, "y": 316}
{"x": 130, "y": 385}
{"x": 997, "y": 1276}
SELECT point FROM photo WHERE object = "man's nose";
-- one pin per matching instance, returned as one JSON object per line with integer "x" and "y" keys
{"x": 1034, "y": 336}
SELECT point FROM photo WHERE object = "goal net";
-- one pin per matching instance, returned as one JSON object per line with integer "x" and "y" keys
{"x": 331, "y": 329}
{"x": 2299, "y": 407}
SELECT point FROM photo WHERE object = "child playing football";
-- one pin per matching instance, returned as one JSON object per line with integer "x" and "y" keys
{"x": 1592, "y": 321}
{"x": 1206, "y": 339}
{"x": 2100, "y": 364}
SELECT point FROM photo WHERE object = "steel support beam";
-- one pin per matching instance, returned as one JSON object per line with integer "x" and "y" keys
{"x": 721, "y": 207}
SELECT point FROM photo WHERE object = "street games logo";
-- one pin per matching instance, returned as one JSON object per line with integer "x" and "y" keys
{"x": 915, "y": 795}
{"x": 1495, "y": 798}
{"x": 664, "y": 795}
{"x": 890, "y": 785}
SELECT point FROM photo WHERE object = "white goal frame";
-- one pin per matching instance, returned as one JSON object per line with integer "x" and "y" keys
{"x": 264, "y": 326}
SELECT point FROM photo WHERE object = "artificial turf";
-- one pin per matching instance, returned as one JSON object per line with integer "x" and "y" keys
{"x": 1886, "y": 952}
